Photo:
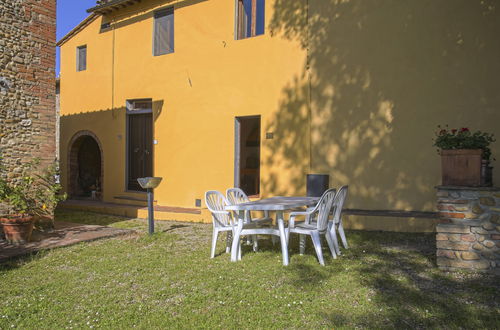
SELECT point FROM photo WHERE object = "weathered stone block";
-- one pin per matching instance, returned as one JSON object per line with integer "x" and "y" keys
{"x": 449, "y": 228}
{"x": 479, "y": 230}
{"x": 495, "y": 218}
{"x": 453, "y": 201}
{"x": 461, "y": 208}
{"x": 488, "y": 226}
{"x": 470, "y": 256}
{"x": 471, "y": 216}
{"x": 469, "y": 194}
{"x": 477, "y": 246}
{"x": 441, "y": 237}
{"x": 467, "y": 222}
{"x": 452, "y": 215}
{"x": 488, "y": 201}
{"x": 472, "y": 264}
{"x": 449, "y": 245}
{"x": 442, "y": 193}
{"x": 446, "y": 253}
{"x": 489, "y": 244}
{"x": 495, "y": 237}
{"x": 468, "y": 238}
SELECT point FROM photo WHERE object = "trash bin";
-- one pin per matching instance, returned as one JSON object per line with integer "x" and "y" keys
{"x": 317, "y": 184}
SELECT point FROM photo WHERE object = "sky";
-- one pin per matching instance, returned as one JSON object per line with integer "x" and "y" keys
{"x": 69, "y": 14}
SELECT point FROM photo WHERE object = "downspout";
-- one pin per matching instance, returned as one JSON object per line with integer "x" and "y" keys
{"x": 113, "y": 69}
{"x": 309, "y": 101}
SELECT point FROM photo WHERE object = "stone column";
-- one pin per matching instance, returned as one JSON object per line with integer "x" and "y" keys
{"x": 468, "y": 235}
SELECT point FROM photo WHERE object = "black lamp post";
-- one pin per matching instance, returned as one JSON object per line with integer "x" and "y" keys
{"x": 149, "y": 183}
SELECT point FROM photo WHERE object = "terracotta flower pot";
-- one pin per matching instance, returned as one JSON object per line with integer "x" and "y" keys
{"x": 461, "y": 167}
{"x": 17, "y": 229}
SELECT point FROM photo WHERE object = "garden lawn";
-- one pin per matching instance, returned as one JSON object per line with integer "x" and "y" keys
{"x": 168, "y": 280}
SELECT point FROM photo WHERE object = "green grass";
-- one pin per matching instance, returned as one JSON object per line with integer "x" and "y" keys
{"x": 385, "y": 280}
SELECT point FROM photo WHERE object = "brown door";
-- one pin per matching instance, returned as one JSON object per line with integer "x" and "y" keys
{"x": 140, "y": 148}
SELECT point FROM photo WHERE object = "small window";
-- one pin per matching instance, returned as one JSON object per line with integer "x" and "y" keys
{"x": 163, "y": 38}
{"x": 249, "y": 18}
{"x": 81, "y": 58}
{"x": 105, "y": 26}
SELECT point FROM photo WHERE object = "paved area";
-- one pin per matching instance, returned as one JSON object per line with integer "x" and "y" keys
{"x": 64, "y": 234}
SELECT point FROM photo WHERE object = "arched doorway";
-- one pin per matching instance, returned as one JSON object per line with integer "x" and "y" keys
{"x": 85, "y": 167}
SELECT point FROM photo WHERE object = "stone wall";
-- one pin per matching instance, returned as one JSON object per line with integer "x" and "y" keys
{"x": 27, "y": 94}
{"x": 468, "y": 236}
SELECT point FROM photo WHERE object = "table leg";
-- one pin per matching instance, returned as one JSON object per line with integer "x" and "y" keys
{"x": 281, "y": 226}
{"x": 236, "y": 237}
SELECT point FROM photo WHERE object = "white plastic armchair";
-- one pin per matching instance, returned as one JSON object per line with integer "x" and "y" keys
{"x": 237, "y": 196}
{"x": 222, "y": 220}
{"x": 314, "y": 229}
{"x": 335, "y": 224}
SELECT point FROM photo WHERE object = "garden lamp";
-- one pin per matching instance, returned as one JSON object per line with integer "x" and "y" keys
{"x": 150, "y": 183}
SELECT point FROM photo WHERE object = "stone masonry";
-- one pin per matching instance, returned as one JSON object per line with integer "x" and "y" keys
{"x": 468, "y": 235}
{"x": 27, "y": 82}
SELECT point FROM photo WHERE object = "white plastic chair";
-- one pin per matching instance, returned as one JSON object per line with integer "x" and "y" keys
{"x": 335, "y": 224}
{"x": 320, "y": 227}
{"x": 222, "y": 220}
{"x": 237, "y": 196}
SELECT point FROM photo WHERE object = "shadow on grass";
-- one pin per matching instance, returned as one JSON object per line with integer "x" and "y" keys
{"x": 409, "y": 291}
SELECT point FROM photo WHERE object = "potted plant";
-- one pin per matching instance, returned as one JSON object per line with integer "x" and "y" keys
{"x": 47, "y": 195}
{"x": 28, "y": 197}
{"x": 465, "y": 156}
{"x": 18, "y": 223}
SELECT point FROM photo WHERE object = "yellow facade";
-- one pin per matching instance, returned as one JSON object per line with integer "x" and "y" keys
{"x": 354, "y": 89}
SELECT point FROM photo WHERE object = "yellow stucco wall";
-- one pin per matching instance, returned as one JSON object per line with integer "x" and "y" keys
{"x": 383, "y": 74}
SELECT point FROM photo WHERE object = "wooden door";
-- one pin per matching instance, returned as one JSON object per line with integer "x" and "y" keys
{"x": 140, "y": 149}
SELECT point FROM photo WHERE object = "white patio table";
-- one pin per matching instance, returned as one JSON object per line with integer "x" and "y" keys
{"x": 278, "y": 204}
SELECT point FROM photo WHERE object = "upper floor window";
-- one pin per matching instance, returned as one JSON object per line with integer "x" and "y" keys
{"x": 81, "y": 58}
{"x": 163, "y": 38}
{"x": 249, "y": 18}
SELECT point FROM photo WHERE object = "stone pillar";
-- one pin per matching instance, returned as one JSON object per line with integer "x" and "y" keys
{"x": 27, "y": 94}
{"x": 468, "y": 235}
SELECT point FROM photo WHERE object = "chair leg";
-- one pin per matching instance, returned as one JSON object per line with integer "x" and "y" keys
{"x": 229, "y": 240}
{"x": 215, "y": 234}
{"x": 317, "y": 246}
{"x": 255, "y": 243}
{"x": 274, "y": 239}
{"x": 331, "y": 244}
{"x": 342, "y": 235}
{"x": 333, "y": 235}
{"x": 302, "y": 244}
{"x": 239, "y": 250}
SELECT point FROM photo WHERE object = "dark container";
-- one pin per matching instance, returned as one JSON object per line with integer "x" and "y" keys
{"x": 317, "y": 184}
